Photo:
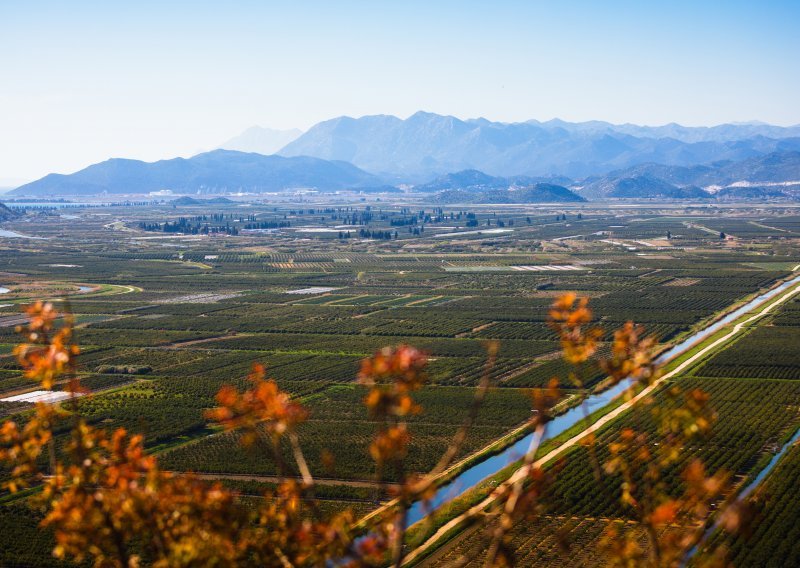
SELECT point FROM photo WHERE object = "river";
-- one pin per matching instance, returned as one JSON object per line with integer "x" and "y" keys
{"x": 472, "y": 476}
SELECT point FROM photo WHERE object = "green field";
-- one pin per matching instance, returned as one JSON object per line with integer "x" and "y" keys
{"x": 166, "y": 318}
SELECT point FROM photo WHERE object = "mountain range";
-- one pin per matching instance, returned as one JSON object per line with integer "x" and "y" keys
{"x": 720, "y": 133}
{"x": 772, "y": 175}
{"x": 426, "y": 145}
{"x": 775, "y": 175}
{"x": 530, "y": 161}
{"x": 211, "y": 172}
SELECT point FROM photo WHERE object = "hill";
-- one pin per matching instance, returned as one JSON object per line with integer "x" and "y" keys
{"x": 753, "y": 178}
{"x": 538, "y": 193}
{"x": 543, "y": 193}
{"x": 641, "y": 187}
{"x": 426, "y": 144}
{"x": 477, "y": 180}
{"x": 473, "y": 186}
{"x": 211, "y": 172}
{"x": 186, "y": 200}
{"x": 466, "y": 179}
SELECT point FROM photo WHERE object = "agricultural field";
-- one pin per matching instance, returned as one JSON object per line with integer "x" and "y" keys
{"x": 756, "y": 402}
{"x": 552, "y": 541}
{"x": 776, "y": 533}
{"x": 754, "y": 418}
{"x": 768, "y": 350}
{"x": 172, "y": 302}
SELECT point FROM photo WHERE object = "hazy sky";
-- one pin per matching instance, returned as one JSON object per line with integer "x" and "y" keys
{"x": 84, "y": 81}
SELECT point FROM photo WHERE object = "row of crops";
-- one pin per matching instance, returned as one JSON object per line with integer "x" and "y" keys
{"x": 203, "y": 311}
{"x": 768, "y": 352}
{"x": 774, "y": 538}
{"x": 340, "y": 426}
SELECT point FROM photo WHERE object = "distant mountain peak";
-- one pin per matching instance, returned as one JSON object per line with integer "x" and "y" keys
{"x": 425, "y": 114}
{"x": 261, "y": 140}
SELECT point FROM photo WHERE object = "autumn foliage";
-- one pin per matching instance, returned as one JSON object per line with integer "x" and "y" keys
{"x": 108, "y": 502}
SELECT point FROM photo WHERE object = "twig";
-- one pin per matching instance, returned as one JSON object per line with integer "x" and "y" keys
{"x": 300, "y": 459}
{"x": 516, "y": 492}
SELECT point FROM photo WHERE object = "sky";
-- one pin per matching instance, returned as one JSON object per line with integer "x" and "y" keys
{"x": 84, "y": 81}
